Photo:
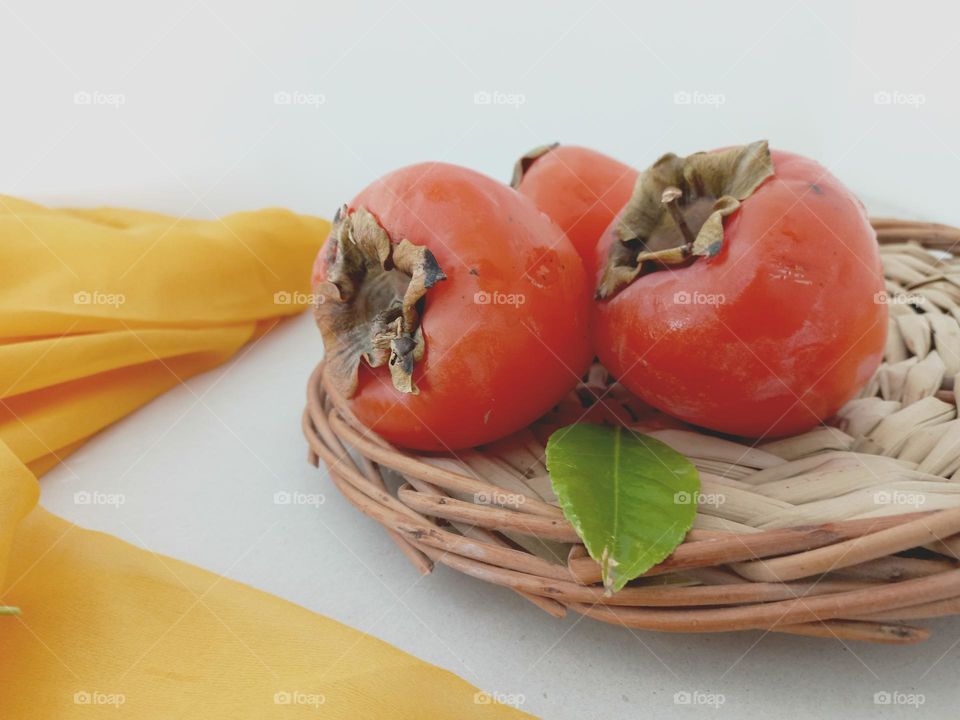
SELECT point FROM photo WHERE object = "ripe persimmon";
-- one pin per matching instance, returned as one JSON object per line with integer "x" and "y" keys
{"x": 580, "y": 189}
{"x": 453, "y": 311}
{"x": 741, "y": 290}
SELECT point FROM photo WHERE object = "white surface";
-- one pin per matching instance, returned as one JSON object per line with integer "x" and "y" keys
{"x": 199, "y": 134}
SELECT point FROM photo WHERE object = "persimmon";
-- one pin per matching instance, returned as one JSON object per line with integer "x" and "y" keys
{"x": 741, "y": 290}
{"x": 580, "y": 189}
{"x": 453, "y": 311}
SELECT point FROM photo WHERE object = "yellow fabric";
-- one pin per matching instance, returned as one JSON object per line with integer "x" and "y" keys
{"x": 100, "y": 311}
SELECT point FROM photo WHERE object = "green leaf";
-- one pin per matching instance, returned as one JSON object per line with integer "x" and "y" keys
{"x": 630, "y": 497}
{"x": 8, "y": 610}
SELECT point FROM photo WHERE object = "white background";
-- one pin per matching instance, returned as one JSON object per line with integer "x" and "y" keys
{"x": 183, "y": 119}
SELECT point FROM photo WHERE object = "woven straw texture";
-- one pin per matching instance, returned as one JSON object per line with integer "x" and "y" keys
{"x": 850, "y": 531}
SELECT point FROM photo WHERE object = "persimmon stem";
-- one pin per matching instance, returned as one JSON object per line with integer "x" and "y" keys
{"x": 669, "y": 198}
{"x": 713, "y": 186}
{"x": 368, "y": 307}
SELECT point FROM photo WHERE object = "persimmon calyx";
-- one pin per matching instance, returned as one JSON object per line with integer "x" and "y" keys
{"x": 525, "y": 161}
{"x": 677, "y": 209}
{"x": 369, "y": 306}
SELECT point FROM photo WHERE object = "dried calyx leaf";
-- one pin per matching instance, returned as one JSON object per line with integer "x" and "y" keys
{"x": 369, "y": 306}
{"x": 677, "y": 208}
{"x": 526, "y": 161}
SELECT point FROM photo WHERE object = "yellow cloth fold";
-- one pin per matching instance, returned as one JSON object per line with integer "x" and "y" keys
{"x": 101, "y": 311}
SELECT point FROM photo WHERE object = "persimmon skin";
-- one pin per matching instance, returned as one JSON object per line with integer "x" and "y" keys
{"x": 490, "y": 367}
{"x": 581, "y": 190}
{"x": 787, "y": 325}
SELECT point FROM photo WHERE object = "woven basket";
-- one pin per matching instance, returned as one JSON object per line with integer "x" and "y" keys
{"x": 846, "y": 531}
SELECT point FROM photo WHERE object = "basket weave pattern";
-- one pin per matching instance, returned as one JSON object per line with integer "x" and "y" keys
{"x": 846, "y": 531}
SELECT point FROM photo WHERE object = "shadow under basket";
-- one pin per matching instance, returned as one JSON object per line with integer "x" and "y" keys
{"x": 849, "y": 531}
